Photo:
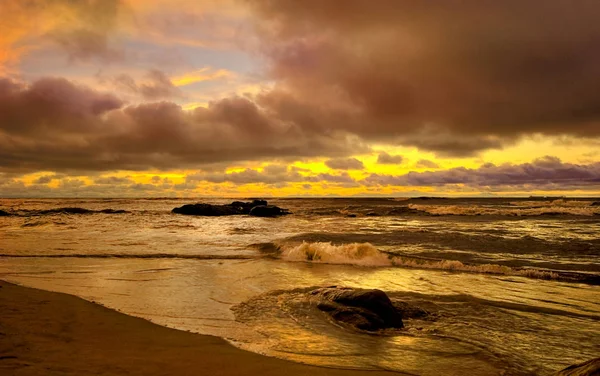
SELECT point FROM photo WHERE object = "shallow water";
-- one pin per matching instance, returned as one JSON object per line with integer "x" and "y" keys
{"x": 513, "y": 286}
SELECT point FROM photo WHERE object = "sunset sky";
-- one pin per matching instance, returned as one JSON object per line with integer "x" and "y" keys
{"x": 120, "y": 98}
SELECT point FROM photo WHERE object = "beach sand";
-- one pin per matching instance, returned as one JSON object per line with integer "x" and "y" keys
{"x": 48, "y": 333}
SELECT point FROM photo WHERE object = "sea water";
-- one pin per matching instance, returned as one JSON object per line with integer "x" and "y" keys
{"x": 511, "y": 285}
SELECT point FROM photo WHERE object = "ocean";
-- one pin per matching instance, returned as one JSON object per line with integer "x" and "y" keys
{"x": 511, "y": 285}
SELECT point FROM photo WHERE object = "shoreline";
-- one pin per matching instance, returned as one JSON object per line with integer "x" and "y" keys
{"x": 51, "y": 333}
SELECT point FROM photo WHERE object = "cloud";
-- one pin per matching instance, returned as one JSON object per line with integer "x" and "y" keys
{"x": 54, "y": 124}
{"x": 451, "y": 77}
{"x": 548, "y": 172}
{"x": 80, "y": 28}
{"x": 344, "y": 164}
{"x": 385, "y": 158}
{"x": 425, "y": 163}
{"x": 45, "y": 179}
{"x": 156, "y": 86}
{"x": 113, "y": 180}
{"x": 273, "y": 175}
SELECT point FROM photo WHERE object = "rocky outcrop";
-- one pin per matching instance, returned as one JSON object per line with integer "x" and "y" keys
{"x": 369, "y": 310}
{"x": 4, "y": 214}
{"x": 589, "y": 368}
{"x": 596, "y": 203}
{"x": 207, "y": 210}
{"x": 259, "y": 208}
{"x": 267, "y": 211}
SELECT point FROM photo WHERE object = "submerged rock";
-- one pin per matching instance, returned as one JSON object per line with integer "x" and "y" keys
{"x": 589, "y": 368}
{"x": 235, "y": 208}
{"x": 4, "y": 214}
{"x": 369, "y": 310}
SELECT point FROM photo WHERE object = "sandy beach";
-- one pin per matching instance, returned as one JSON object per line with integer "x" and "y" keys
{"x": 47, "y": 333}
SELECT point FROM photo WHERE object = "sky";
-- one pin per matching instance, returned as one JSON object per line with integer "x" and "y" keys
{"x": 240, "y": 98}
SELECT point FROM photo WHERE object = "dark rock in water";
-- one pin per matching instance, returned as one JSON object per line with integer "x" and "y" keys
{"x": 351, "y": 215}
{"x": 596, "y": 203}
{"x": 235, "y": 208}
{"x": 245, "y": 207}
{"x": 4, "y": 214}
{"x": 208, "y": 210}
{"x": 267, "y": 211}
{"x": 372, "y": 214}
{"x": 589, "y": 368}
{"x": 369, "y": 310}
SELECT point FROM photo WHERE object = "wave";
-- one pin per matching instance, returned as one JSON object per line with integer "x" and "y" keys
{"x": 513, "y": 209}
{"x": 365, "y": 254}
{"x": 555, "y": 209}
{"x": 64, "y": 210}
{"x": 132, "y": 256}
{"x": 558, "y": 202}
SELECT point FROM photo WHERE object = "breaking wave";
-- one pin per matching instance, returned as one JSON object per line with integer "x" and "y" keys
{"x": 365, "y": 254}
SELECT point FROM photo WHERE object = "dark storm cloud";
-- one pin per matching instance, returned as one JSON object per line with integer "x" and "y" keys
{"x": 344, "y": 164}
{"x": 450, "y": 76}
{"x": 56, "y": 125}
{"x": 454, "y": 77}
{"x": 542, "y": 172}
{"x": 385, "y": 158}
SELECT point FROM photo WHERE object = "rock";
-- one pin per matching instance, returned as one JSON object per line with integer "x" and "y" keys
{"x": 267, "y": 211}
{"x": 369, "y": 310}
{"x": 245, "y": 207}
{"x": 235, "y": 208}
{"x": 589, "y": 368}
{"x": 351, "y": 215}
{"x": 4, "y": 214}
{"x": 596, "y": 203}
{"x": 207, "y": 210}
{"x": 372, "y": 214}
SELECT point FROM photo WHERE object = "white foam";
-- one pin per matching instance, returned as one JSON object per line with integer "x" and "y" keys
{"x": 454, "y": 265}
{"x": 364, "y": 254}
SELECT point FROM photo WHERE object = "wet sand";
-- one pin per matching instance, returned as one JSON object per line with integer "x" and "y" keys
{"x": 47, "y": 333}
